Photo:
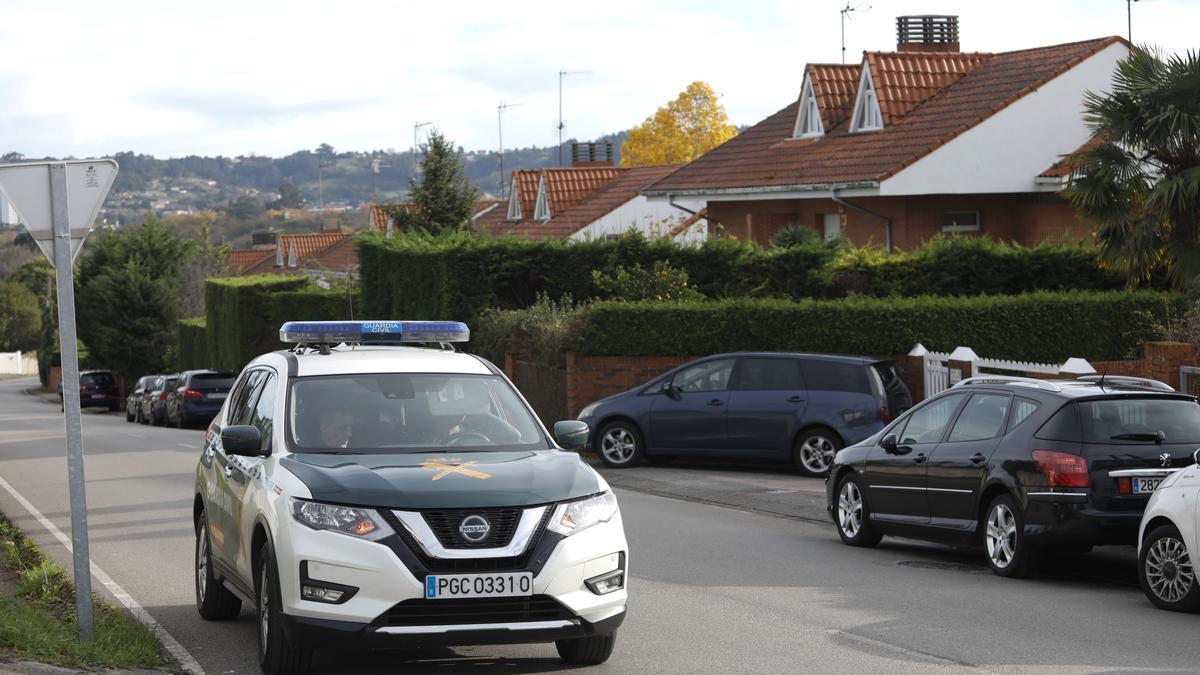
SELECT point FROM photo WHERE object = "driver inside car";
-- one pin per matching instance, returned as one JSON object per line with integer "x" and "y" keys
{"x": 474, "y": 422}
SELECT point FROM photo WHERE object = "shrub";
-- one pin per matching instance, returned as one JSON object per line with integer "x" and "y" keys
{"x": 662, "y": 282}
{"x": 539, "y": 332}
{"x": 1043, "y": 326}
{"x": 795, "y": 235}
{"x": 193, "y": 343}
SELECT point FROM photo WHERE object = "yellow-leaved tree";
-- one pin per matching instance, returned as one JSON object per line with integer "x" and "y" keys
{"x": 680, "y": 131}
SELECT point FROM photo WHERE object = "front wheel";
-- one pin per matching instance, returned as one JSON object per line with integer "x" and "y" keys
{"x": 1166, "y": 572}
{"x": 277, "y": 653}
{"x": 852, "y": 516}
{"x": 814, "y": 450}
{"x": 129, "y": 414}
{"x": 213, "y": 601}
{"x": 1004, "y": 539}
{"x": 588, "y": 651}
{"x": 620, "y": 445}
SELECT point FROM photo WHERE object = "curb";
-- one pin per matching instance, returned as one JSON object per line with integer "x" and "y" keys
{"x": 35, "y": 668}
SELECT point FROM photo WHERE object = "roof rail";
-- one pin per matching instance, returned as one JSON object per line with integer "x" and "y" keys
{"x": 1010, "y": 379}
{"x": 1128, "y": 381}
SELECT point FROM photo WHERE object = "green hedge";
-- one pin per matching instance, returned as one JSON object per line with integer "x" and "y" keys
{"x": 1045, "y": 327}
{"x": 193, "y": 343}
{"x": 458, "y": 275}
{"x": 244, "y": 313}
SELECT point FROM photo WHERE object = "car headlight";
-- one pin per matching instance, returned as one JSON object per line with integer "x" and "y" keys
{"x": 361, "y": 523}
{"x": 575, "y": 516}
{"x": 588, "y": 411}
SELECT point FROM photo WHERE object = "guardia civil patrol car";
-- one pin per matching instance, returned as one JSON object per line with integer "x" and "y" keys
{"x": 362, "y": 493}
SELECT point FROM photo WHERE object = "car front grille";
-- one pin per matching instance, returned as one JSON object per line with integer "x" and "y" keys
{"x": 462, "y": 611}
{"x": 445, "y": 525}
{"x": 470, "y": 565}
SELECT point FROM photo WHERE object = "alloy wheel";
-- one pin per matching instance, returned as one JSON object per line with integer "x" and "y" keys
{"x": 816, "y": 454}
{"x": 618, "y": 445}
{"x": 202, "y": 561}
{"x": 264, "y": 609}
{"x": 1001, "y": 536}
{"x": 1169, "y": 570}
{"x": 850, "y": 509}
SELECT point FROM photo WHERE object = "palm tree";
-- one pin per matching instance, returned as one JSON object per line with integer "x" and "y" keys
{"x": 1139, "y": 181}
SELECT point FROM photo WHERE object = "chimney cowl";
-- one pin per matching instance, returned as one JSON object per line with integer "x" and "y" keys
{"x": 592, "y": 154}
{"x": 927, "y": 33}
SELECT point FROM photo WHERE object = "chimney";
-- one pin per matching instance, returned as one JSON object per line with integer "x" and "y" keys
{"x": 592, "y": 154}
{"x": 927, "y": 33}
{"x": 262, "y": 238}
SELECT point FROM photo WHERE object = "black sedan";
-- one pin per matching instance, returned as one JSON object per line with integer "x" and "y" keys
{"x": 1016, "y": 465}
{"x": 97, "y": 389}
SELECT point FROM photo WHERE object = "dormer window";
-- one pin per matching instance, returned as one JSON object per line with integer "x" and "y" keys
{"x": 867, "y": 116}
{"x": 541, "y": 210}
{"x": 808, "y": 120}
{"x": 514, "y": 203}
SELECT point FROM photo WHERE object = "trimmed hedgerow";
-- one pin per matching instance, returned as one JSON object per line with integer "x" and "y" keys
{"x": 193, "y": 343}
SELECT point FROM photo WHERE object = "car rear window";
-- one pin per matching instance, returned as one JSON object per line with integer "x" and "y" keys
{"x": 213, "y": 381}
{"x": 96, "y": 379}
{"x": 1140, "y": 420}
{"x": 835, "y": 376}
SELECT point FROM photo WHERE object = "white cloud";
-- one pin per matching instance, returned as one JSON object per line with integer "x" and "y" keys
{"x": 86, "y": 78}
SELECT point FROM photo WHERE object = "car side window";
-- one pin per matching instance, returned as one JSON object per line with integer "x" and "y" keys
{"x": 242, "y": 405}
{"x": 1022, "y": 409}
{"x": 264, "y": 411}
{"x": 822, "y": 375}
{"x": 707, "y": 376}
{"x": 928, "y": 423}
{"x": 982, "y": 418}
{"x": 765, "y": 374}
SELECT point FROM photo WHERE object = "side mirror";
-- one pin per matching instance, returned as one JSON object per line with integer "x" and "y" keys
{"x": 243, "y": 439}
{"x": 888, "y": 444}
{"x": 571, "y": 434}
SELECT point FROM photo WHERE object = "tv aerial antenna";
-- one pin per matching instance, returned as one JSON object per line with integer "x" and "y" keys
{"x": 848, "y": 13}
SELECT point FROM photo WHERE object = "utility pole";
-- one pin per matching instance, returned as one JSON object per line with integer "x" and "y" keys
{"x": 321, "y": 166}
{"x": 1129, "y": 18}
{"x": 416, "y": 127}
{"x": 500, "y": 132}
{"x": 561, "y": 75}
{"x": 846, "y": 12}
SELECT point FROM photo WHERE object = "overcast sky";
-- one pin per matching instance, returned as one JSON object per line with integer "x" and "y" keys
{"x": 218, "y": 77}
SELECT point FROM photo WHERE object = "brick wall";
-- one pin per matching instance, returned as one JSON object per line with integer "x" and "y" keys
{"x": 590, "y": 378}
{"x": 1160, "y": 361}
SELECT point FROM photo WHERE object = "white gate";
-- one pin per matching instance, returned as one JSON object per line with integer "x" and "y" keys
{"x": 936, "y": 369}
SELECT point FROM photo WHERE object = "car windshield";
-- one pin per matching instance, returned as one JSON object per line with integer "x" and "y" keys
{"x": 404, "y": 412}
{"x": 1140, "y": 420}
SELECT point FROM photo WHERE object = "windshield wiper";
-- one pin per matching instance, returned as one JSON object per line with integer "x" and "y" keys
{"x": 1156, "y": 436}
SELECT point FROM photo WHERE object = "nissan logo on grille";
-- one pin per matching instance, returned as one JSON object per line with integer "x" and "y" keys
{"x": 474, "y": 528}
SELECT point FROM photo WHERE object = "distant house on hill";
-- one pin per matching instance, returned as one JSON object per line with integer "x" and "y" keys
{"x": 312, "y": 253}
{"x": 910, "y": 143}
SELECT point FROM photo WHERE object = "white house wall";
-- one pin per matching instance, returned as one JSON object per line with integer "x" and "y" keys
{"x": 1008, "y": 150}
{"x": 651, "y": 218}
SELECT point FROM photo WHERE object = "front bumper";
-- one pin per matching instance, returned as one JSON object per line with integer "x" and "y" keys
{"x": 387, "y": 573}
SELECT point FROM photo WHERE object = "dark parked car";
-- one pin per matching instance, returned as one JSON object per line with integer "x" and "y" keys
{"x": 197, "y": 397}
{"x": 97, "y": 389}
{"x": 154, "y": 404}
{"x": 133, "y": 402}
{"x": 1018, "y": 466}
{"x": 800, "y": 408}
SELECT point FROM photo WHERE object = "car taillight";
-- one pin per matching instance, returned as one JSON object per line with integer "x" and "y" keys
{"x": 191, "y": 393}
{"x": 884, "y": 415}
{"x": 82, "y": 388}
{"x": 1062, "y": 469}
{"x": 162, "y": 396}
{"x": 1124, "y": 486}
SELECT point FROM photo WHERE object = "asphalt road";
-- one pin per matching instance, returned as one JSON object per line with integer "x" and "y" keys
{"x": 713, "y": 589}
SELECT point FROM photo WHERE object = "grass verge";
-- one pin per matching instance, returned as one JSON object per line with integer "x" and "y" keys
{"x": 37, "y": 615}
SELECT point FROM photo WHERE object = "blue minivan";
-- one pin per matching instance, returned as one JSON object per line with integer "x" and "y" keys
{"x": 799, "y": 408}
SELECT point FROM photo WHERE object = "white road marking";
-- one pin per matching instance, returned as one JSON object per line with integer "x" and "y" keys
{"x": 189, "y": 446}
{"x": 186, "y": 660}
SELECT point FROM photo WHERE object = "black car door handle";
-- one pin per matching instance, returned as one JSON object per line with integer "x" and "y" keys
{"x": 919, "y": 459}
{"x": 795, "y": 399}
{"x": 978, "y": 458}
{"x": 716, "y": 401}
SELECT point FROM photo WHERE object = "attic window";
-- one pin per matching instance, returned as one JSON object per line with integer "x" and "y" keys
{"x": 867, "y": 116}
{"x": 960, "y": 221}
{"x": 541, "y": 209}
{"x": 808, "y": 119}
{"x": 514, "y": 203}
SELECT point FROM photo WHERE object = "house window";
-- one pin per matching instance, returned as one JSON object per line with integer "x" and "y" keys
{"x": 960, "y": 221}
{"x": 541, "y": 208}
{"x": 867, "y": 116}
{"x": 808, "y": 120}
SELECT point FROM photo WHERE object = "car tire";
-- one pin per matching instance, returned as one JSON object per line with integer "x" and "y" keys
{"x": 214, "y": 602}
{"x": 129, "y": 415}
{"x": 1166, "y": 571}
{"x": 620, "y": 444}
{"x": 852, "y": 514}
{"x": 587, "y": 651}
{"x": 1004, "y": 544}
{"x": 156, "y": 420}
{"x": 141, "y": 419}
{"x": 179, "y": 421}
{"x": 276, "y": 652}
{"x": 814, "y": 450}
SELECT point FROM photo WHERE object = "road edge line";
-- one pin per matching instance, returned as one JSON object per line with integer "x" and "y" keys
{"x": 177, "y": 650}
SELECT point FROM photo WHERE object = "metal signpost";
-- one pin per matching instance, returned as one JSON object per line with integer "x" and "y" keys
{"x": 58, "y": 202}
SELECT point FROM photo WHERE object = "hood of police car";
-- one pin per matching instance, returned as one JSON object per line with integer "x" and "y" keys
{"x": 444, "y": 480}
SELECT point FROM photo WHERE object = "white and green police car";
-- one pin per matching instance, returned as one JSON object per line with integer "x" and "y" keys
{"x": 362, "y": 493}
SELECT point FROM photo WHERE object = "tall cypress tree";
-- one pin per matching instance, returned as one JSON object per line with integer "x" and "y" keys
{"x": 443, "y": 198}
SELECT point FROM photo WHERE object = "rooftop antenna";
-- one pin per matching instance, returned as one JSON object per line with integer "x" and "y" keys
{"x": 560, "y": 125}
{"x": 847, "y": 13}
{"x": 1129, "y": 18}
{"x": 500, "y": 132}
{"x": 415, "y": 166}
{"x": 376, "y": 164}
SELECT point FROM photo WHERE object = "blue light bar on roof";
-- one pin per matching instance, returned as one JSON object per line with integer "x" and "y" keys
{"x": 331, "y": 332}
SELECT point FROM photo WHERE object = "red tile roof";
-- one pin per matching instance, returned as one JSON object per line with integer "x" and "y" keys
{"x": 1064, "y": 166}
{"x": 904, "y": 80}
{"x": 566, "y": 186}
{"x": 762, "y": 157}
{"x": 307, "y": 246}
{"x": 341, "y": 257}
{"x": 833, "y": 86}
{"x": 525, "y": 182}
{"x": 240, "y": 259}
{"x": 491, "y": 217}
{"x": 625, "y": 184}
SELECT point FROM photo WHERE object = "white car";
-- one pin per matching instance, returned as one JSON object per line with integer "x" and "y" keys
{"x": 1168, "y": 541}
{"x": 361, "y": 494}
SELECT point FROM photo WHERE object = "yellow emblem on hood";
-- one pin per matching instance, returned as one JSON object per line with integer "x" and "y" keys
{"x": 446, "y": 466}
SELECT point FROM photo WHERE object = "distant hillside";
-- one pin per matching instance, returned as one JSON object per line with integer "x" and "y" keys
{"x": 210, "y": 183}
